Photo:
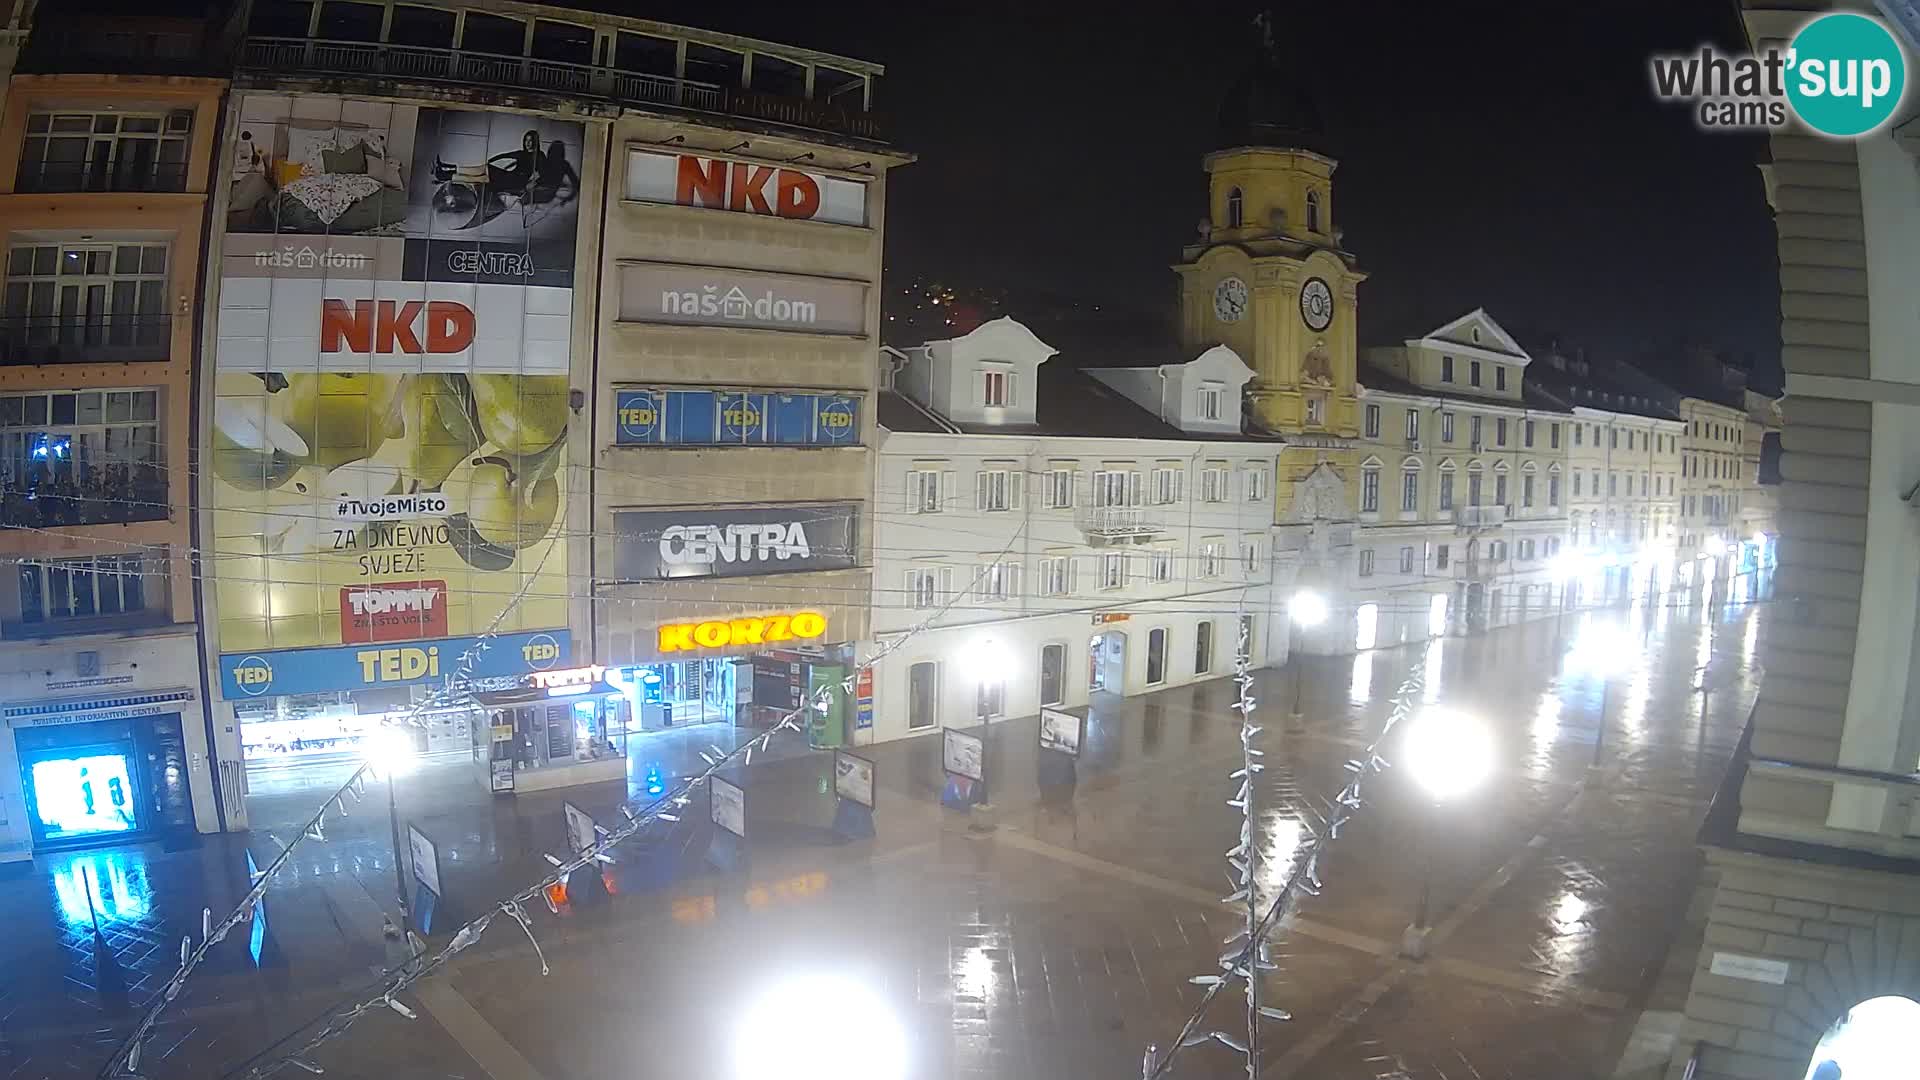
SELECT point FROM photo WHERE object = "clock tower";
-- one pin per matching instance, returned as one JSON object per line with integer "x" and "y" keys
{"x": 1267, "y": 277}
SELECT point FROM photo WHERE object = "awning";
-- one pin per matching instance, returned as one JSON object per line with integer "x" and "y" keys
{"x": 89, "y": 710}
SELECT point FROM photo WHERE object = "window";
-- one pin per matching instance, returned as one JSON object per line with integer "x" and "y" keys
{"x": 1406, "y": 560}
{"x": 1499, "y": 376}
{"x": 81, "y": 458}
{"x": 1500, "y": 431}
{"x": 1553, "y": 436}
{"x": 1576, "y": 481}
{"x": 998, "y": 581}
{"x": 923, "y": 587}
{"x": 1366, "y": 562}
{"x": 1160, "y": 565}
{"x": 1316, "y": 409}
{"x": 1613, "y": 438}
{"x": 1526, "y": 491}
{"x": 1236, "y": 208}
{"x": 1250, "y": 557}
{"x": 923, "y": 694}
{"x": 1446, "y": 369}
{"x": 1115, "y": 487}
{"x": 1410, "y": 491}
{"x": 1256, "y": 483}
{"x": 1473, "y": 489}
{"x": 105, "y": 151}
{"x": 1053, "y": 671}
{"x": 1213, "y": 557}
{"x": 1500, "y": 489}
{"x": 1553, "y": 491}
{"x": 1156, "y": 656}
{"x": 1209, "y": 403}
{"x": 1059, "y": 490}
{"x": 1313, "y": 211}
{"x": 1413, "y": 425}
{"x": 84, "y": 301}
{"x": 1446, "y": 491}
{"x": 923, "y": 492}
{"x": 508, "y": 37}
{"x": 996, "y": 388}
{"x": 1113, "y": 571}
{"x": 1203, "y": 648}
{"x": 1373, "y": 422}
{"x": 82, "y": 588}
{"x": 1169, "y": 485}
{"x": 423, "y": 27}
{"x": 1446, "y": 427}
{"x": 1496, "y": 550}
{"x": 1526, "y": 434}
{"x": 997, "y": 489}
{"x": 1213, "y": 484}
{"x": 1442, "y": 555}
{"x": 1612, "y": 484}
{"x": 1473, "y": 431}
{"x": 1526, "y": 550}
{"x": 1553, "y": 546}
{"x": 1056, "y": 575}
{"x": 1473, "y": 373}
{"x": 1578, "y": 430}
{"x": 1370, "y": 491}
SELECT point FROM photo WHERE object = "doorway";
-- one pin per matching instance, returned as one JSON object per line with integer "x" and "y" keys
{"x": 923, "y": 689}
{"x": 1156, "y": 656}
{"x": 1053, "y": 674}
{"x": 1107, "y": 662}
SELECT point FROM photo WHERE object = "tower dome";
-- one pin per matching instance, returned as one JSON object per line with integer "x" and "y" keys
{"x": 1269, "y": 104}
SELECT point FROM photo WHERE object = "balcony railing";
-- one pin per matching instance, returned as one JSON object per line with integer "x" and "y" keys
{"x": 108, "y": 339}
{"x": 1115, "y": 522}
{"x": 107, "y": 495}
{"x": 100, "y": 175}
{"x": 375, "y": 59}
{"x": 1479, "y": 517}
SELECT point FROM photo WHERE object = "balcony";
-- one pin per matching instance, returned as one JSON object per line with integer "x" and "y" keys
{"x": 106, "y": 495}
{"x": 1479, "y": 517}
{"x": 50, "y": 177}
{"x": 378, "y": 60}
{"x": 1113, "y": 524}
{"x": 109, "y": 339}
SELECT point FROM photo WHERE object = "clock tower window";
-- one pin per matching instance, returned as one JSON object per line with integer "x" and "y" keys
{"x": 1313, "y": 211}
{"x": 1236, "y": 208}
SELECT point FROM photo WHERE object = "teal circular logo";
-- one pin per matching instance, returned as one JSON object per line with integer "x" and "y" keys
{"x": 1845, "y": 74}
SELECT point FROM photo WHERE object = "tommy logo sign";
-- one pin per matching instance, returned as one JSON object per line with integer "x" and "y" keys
{"x": 762, "y": 630}
{"x": 395, "y": 611}
{"x": 393, "y": 326}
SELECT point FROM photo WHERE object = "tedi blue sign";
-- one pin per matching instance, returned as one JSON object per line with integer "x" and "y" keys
{"x": 359, "y": 667}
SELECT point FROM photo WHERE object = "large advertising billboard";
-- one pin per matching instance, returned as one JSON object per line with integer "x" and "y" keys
{"x": 389, "y": 426}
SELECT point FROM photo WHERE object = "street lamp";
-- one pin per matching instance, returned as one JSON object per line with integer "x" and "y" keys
{"x": 1448, "y": 754}
{"x": 1601, "y": 650}
{"x": 1307, "y": 609}
{"x": 987, "y": 659}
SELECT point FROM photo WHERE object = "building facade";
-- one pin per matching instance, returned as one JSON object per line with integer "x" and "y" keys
{"x": 1050, "y": 535}
{"x": 520, "y": 317}
{"x": 1814, "y": 835}
{"x": 1714, "y": 478}
{"x": 106, "y": 154}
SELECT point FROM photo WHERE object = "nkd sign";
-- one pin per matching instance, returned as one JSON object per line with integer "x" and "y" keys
{"x": 744, "y": 187}
{"x": 702, "y": 296}
{"x": 655, "y": 545}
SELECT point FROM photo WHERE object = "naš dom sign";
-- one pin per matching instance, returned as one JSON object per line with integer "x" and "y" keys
{"x": 753, "y": 630}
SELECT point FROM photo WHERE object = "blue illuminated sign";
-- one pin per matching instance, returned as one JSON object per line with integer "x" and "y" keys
{"x": 359, "y": 667}
{"x": 657, "y": 417}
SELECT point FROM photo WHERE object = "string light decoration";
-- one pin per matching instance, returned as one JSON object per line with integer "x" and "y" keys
{"x": 1249, "y": 952}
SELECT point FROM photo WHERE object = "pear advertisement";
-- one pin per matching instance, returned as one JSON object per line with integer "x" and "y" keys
{"x": 388, "y": 444}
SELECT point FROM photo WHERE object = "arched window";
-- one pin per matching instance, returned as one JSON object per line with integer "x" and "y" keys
{"x": 1236, "y": 208}
{"x": 1313, "y": 211}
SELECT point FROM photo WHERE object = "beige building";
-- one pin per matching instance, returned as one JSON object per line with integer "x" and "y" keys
{"x": 1814, "y": 834}
{"x": 1714, "y": 479}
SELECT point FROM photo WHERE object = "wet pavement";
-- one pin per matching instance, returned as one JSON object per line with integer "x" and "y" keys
{"x": 1058, "y": 944}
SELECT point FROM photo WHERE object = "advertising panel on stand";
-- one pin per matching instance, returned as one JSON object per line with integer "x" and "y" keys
{"x": 388, "y": 444}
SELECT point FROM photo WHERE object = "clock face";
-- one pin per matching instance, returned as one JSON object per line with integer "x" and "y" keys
{"x": 1316, "y": 304}
{"x": 1230, "y": 300}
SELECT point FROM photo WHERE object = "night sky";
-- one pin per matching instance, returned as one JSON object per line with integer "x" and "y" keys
{"x": 1506, "y": 155}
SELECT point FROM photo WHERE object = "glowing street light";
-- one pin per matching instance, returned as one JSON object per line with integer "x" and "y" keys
{"x": 1307, "y": 609}
{"x": 987, "y": 661}
{"x": 1602, "y": 650}
{"x": 1448, "y": 754}
{"x": 781, "y": 1033}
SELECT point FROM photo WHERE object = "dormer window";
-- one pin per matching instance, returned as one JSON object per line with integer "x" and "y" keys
{"x": 1313, "y": 211}
{"x": 1208, "y": 406}
{"x": 996, "y": 389}
{"x": 1236, "y": 208}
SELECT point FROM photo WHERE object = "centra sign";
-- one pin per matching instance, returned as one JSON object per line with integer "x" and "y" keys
{"x": 756, "y": 630}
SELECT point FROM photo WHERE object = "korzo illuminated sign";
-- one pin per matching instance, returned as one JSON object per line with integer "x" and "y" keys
{"x": 755, "y": 630}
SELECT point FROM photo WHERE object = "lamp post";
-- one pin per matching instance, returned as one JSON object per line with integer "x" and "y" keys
{"x": 986, "y": 658}
{"x": 1307, "y": 609}
{"x": 1602, "y": 651}
{"x": 1448, "y": 754}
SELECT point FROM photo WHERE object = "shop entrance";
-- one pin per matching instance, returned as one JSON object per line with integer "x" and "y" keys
{"x": 103, "y": 782}
{"x": 683, "y": 693}
{"x": 1107, "y": 662}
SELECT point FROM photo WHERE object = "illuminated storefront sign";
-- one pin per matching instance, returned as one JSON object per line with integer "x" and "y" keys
{"x": 744, "y": 187}
{"x": 707, "y": 296}
{"x": 657, "y": 417}
{"x": 755, "y": 630}
{"x": 657, "y": 545}
{"x": 350, "y": 667}
{"x": 579, "y": 676}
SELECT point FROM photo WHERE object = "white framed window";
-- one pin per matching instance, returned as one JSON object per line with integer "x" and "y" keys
{"x": 1313, "y": 211}
{"x": 1370, "y": 491}
{"x": 1576, "y": 480}
{"x": 1250, "y": 557}
{"x": 1203, "y": 648}
{"x": 1169, "y": 485}
{"x": 1160, "y": 563}
{"x": 996, "y": 388}
{"x": 1256, "y": 483}
{"x": 1059, "y": 489}
{"x": 1442, "y": 556}
{"x": 99, "y": 452}
{"x": 998, "y": 581}
{"x": 1316, "y": 409}
{"x": 1373, "y": 422}
{"x": 1236, "y": 208}
{"x": 1526, "y": 491}
{"x": 1056, "y": 575}
{"x": 1366, "y": 562}
{"x": 1213, "y": 484}
{"x": 1553, "y": 490}
{"x": 1500, "y": 489}
{"x": 1473, "y": 431}
{"x": 1474, "y": 482}
{"x": 1413, "y": 425}
{"x": 1208, "y": 403}
{"x": 1406, "y": 560}
{"x": 1473, "y": 373}
{"x": 1499, "y": 376}
{"x": 997, "y": 489}
{"x": 105, "y": 151}
{"x": 1116, "y": 487}
{"x": 923, "y": 491}
{"x": 1578, "y": 429}
{"x": 1213, "y": 556}
{"x": 88, "y": 295}
{"x": 1500, "y": 431}
{"x": 1526, "y": 434}
{"x": 926, "y": 585}
{"x": 1446, "y": 491}
{"x": 1446, "y": 369}
{"x": 1410, "y": 491}
{"x": 1446, "y": 427}
{"x": 1113, "y": 570}
{"x": 63, "y": 589}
